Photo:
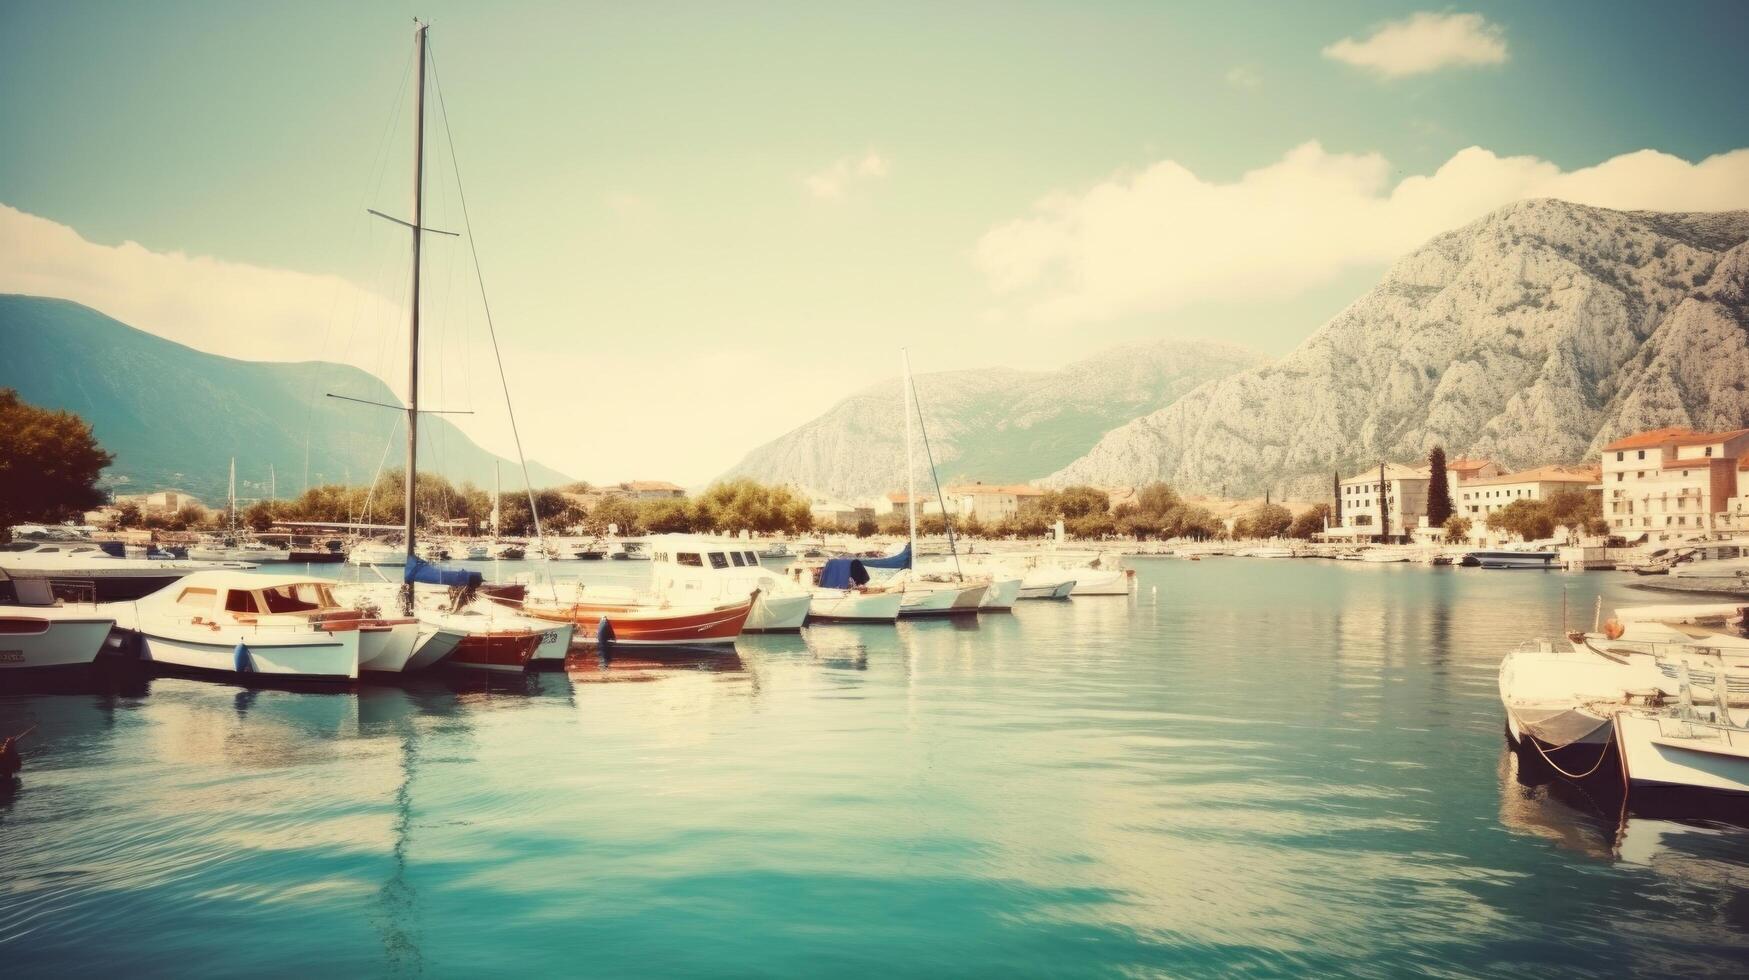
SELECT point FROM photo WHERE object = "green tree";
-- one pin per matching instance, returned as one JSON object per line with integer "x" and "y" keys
{"x": 192, "y": 517}
{"x": 1076, "y": 501}
{"x": 1438, "y": 490}
{"x": 1309, "y": 523}
{"x": 1266, "y": 521}
{"x": 49, "y": 463}
{"x": 1157, "y": 499}
{"x": 1528, "y": 519}
{"x": 867, "y": 527}
{"x": 667, "y": 516}
{"x": 259, "y": 516}
{"x": 615, "y": 511}
{"x": 1457, "y": 529}
{"x": 1092, "y": 525}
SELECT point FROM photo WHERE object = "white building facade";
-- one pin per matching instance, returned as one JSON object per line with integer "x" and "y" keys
{"x": 1675, "y": 484}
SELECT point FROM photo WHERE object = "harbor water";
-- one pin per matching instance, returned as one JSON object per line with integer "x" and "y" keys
{"x": 1249, "y": 767}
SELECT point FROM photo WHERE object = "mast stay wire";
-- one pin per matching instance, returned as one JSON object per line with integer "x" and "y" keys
{"x": 491, "y": 329}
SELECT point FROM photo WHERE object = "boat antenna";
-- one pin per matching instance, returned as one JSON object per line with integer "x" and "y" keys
{"x": 491, "y": 329}
{"x": 905, "y": 394}
{"x": 946, "y": 518}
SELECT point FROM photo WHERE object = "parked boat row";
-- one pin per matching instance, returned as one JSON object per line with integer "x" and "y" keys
{"x": 1663, "y": 690}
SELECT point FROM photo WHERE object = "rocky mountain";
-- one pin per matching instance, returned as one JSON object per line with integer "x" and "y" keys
{"x": 174, "y": 416}
{"x": 997, "y": 425}
{"x": 1533, "y": 335}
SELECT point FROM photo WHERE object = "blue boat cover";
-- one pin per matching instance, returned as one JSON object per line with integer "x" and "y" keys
{"x": 843, "y": 573}
{"x": 419, "y": 570}
{"x": 900, "y": 560}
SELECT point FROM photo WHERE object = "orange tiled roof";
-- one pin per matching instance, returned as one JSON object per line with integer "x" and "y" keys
{"x": 1467, "y": 465}
{"x": 1674, "y": 435}
{"x": 1542, "y": 474}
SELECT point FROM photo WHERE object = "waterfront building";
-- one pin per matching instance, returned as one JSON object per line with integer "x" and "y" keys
{"x": 160, "y": 502}
{"x": 990, "y": 503}
{"x": 1478, "y": 498}
{"x": 1404, "y": 493}
{"x": 652, "y": 490}
{"x": 1675, "y": 483}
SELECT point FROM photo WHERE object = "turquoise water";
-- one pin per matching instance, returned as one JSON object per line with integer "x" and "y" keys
{"x": 1251, "y": 767}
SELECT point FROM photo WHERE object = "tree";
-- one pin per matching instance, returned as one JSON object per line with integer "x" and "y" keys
{"x": 259, "y": 516}
{"x": 1457, "y": 529}
{"x": 1265, "y": 521}
{"x": 617, "y": 512}
{"x": 1091, "y": 525}
{"x": 190, "y": 517}
{"x": 1528, "y": 519}
{"x": 127, "y": 514}
{"x": 49, "y": 463}
{"x": 667, "y": 516}
{"x": 1438, "y": 490}
{"x": 1309, "y": 523}
{"x": 866, "y": 527}
{"x": 1336, "y": 497}
{"x": 1157, "y": 499}
{"x": 1077, "y": 501}
{"x": 743, "y": 504}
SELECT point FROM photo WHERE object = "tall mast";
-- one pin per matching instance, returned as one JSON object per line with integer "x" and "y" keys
{"x": 413, "y": 327}
{"x": 910, "y": 467}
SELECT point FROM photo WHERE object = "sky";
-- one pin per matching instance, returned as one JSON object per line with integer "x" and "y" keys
{"x": 699, "y": 225}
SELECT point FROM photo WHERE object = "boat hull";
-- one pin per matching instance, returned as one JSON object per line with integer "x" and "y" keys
{"x": 1511, "y": 559}
{"x": 778, "y": 613}
{"x": 386, "y": 646}
{"x": 1662, "y": 751}
{"x": 506, "y": 652}
{"x": 633, "y": 625}
{"x": 32, "y": 643}
{"x": 1112, "y": 582}
{"x": 312, "y": 657}
{"x": 1048, "y": 590}
{"x": 1001, "y": 595}
{"x": 941, "y": 599}
{"x": 851, "y": 606}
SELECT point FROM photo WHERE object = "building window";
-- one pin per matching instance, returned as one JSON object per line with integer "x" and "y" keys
{"x": 1709, "y": 452}
{"x": 1642, "y": 454}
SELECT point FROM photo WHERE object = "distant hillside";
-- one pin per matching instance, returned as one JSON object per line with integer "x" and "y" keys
{"x": 994, "y": 425}
{"x": 1533, "y": 335}
{"x": 174, "y": 416}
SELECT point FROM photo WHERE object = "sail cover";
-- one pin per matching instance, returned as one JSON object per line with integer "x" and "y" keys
{"x": 900, "y": 560}
{"x": 419, "y": 570}
{"x": 843, "y": 573}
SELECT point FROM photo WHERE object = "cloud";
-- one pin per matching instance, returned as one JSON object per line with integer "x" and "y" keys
{"x": 1147, "y": 241}
{"x": 1244, "y": 76}
{"x": 228, "y": 308}
{"x": 1424, "y": 43}
{"x": 834, "y": 182}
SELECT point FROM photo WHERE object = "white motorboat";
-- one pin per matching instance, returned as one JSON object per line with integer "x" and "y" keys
{"x": 937, "y": 597}
{"x": 1046, "y": 582}
{"x": 241, "y": 625}
{"x": 694, "y": 570}
{"x": 1384, "y": 556}
{"x": 477, "y": 551}
{"x": 1104, "y": 581}
{"x": 840, "y": 592}
{"x": 90, "y": 574}
{"x": 508, "y": 551}
{"x": 1684, "y": 747}
{"x": 622, "y": 550}
{"x": 51, "y": 637}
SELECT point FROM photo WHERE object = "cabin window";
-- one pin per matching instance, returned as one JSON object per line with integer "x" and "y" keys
{"x": 719, "y": 560}
{"x": 198, "y": 598}
{"x": 291, "y": 599}
{"x": 240, "y": 601}
{"x": 752, "y": 559}
{"x": 688, "y": 558}
{"x": 739, "y": 559}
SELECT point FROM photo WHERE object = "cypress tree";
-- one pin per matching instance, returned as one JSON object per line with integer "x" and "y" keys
{"x": 1384, "y": 507}
{"x": 1438, "y": 490}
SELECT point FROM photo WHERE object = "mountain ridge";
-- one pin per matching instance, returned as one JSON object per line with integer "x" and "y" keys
{"x": 999, "y": 425}
{"x": 1532, "y": 335}
{"x": 173, "y": 416}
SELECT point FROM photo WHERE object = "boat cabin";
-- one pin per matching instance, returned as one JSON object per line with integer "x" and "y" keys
{"x": 256, "y": 599}
{"x": 705, "y": 568}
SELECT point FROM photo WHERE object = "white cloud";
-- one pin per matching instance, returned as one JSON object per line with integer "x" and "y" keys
{"x": 1244, "y": 76}
{"x": 224, "y": 307}
{"x": 1163, "y": 237}
{"x": 1423, "y": 43}
{"x": 836, "y": 180}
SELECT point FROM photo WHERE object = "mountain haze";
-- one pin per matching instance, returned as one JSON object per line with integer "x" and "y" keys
{"x": 997, "y": 425}
{"x": 174, "y": 416}
{"x": 1533, "y": 335}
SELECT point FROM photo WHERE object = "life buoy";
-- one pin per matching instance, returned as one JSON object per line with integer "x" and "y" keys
{"x": 1613, "y": 629}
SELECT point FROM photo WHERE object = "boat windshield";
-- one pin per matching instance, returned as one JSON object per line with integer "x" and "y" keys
{"x": 302, "y": 597}
{"x": 689, "y": 558}
{"x": 719, "y": 560}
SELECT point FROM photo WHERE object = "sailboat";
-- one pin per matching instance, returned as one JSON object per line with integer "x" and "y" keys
{"x": 230, "y": 547}
{"x": 454, "y": 628}
{"x": 944, "y": 594}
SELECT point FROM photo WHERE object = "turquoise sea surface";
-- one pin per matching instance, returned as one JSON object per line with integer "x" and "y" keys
{"x": 1250, "y": 767}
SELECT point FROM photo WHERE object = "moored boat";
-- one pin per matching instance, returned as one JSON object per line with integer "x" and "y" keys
{"x": 634, "y": 624}
{"x": 244, "y": 626}
{"x": 57, "y": 637}
{"x": 1511, "y": 559}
